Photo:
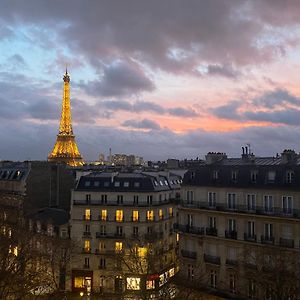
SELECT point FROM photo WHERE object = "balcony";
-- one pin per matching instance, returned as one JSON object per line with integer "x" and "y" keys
{"x": 86, "y": 234}
{"x": 267, "y": 239}
{"x": 86, "y": 218}
{"x": 100, "y": 251}
{"x": 189, "y": 254}
{"x": 86, "y": 266}
{"x": 288, "y": 243}
{"x": 250, "y": 237}
{"x": 189, "y": 229}
{"x": 211, "y": 231}
{"x": 231, "y": 262}
{"x": 86, "y": 250}
{"x": 212, "y": 259}
{"x": 100, "y": 235}
{"x": 231, "y": 234}
{"x": 242, "y": 208}
{"x": 135, "y": 236}
{"x": 119, "y": 235}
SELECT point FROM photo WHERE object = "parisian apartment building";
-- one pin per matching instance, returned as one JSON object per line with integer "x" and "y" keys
{"x": 123, "y": 224}
{"x": 235, "y": 216}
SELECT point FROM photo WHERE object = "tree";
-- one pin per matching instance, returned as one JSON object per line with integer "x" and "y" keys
{"x": 273, "y": 272}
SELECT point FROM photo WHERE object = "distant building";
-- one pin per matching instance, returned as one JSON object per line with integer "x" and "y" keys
{"x": 127, "y": 160}
{"x": 232, "y": 210}
{"x": 39, "y": 184}
{"x": 172, "y": 163}
{"x": 123, "y": 223}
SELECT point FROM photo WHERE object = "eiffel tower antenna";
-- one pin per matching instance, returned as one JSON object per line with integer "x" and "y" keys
{"x": 65, "y": 149}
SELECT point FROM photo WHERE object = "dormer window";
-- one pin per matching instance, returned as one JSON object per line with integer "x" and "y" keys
{"x": 126, "y": 184}
{"x": 271, "y": 176}
{"x": 87, "y": 183}
{"x": 289, "y": 176}
{"x": 192, "y": 175}
{"x": 253, "y": 176}
{"x": 96, "y": 183}
{"x": 234, "y": 176}
{"x": 136, "y": 184}
{"x": 117, "y": 183}
{"x": 215, "y": 174}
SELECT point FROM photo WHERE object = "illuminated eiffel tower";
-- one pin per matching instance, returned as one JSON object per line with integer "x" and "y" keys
{"x": 65, "y": 149}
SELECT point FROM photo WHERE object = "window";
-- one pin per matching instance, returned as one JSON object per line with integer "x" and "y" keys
{"x": 126, "y": 184}
{"x": 232, "y": 283}
{"x": 87, "y": 215}
{"x": 79, "y": 282}
{"x": 118, "y": 246}
{"x": 87, "y": 183}
{"x": 251, "y": 229}
{"x": 253, "y": 176}
{"x": 170, "y": 212}
{"x": 271, "y": 176}
{"x": 232, "y": 225}
{"x": 268, "y": 203}
{"x": 101, "y": 246}
{"x": 86, "y": 262}
{"x": 50, "y": 230}
{"x": 190, "y": 220}
{"x": 133, "y": 283}
{"x": 231, "y": 200}
{"x": 212, "y": 196}
{"x": 136, "y": 184}
{"x": 289, "y": 176}
{"x": 104, "y": 199}
{"x": 160, "y": 214}
{"x": 119, "y": 215}
{"x": 150, "y": 215}
{"x": 149, "y": 199}
{"x": 103, "y": 214}
{"x": 119, "y": 231}
{"x": 251, "y": 289}
{"x": 215, "y": 175}
{"x": 135, "y": 215}
{"x": 268, "y": 231}
{"x": 136, "y": 199}
{"x": 120, "y": 199}
{"x": 190, "y": 272}
{"x": 212, "y": 222}
{"x": 160, "y": 198}
{"x": 102, "y": 230}
{"x": 190, "y": 197}
{"x": 117, "y": 183}
{"x": 287, "y": 204}
{"x": 106, "y": 184}
{"x": 192, "y": 175}
{"x": 87, "y": 246}
{"x": 102, "y": 263}
{"x": 87, "y": 228}
{"x": 96, "y": 183}
{"x": 251, "y": 201}
{"x": 213, "y": 278}
{"x": 234, "y": 176}
{"x": 135, "y": 231}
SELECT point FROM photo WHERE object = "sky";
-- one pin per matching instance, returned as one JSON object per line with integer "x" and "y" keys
{"x": 159, "y": 79}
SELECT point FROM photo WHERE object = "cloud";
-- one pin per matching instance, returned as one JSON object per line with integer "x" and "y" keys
{"x": 143, "y": 124}
{"x": 278, "y": 107}
{"x": 171, "y": 35}
{"x": 120, "y": 79}
{"x": 222, "y": 70}
{"x": 146, "y": 106}
{"x": 228, "y": 110}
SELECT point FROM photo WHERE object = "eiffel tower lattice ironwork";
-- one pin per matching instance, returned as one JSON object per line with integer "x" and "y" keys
{"x": 65, "y": 149}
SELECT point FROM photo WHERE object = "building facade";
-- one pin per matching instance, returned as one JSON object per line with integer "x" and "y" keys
{"x": 123, "y": 223}
{"x": 239, "y": 225}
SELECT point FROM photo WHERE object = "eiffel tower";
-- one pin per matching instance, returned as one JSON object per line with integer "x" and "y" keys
{"x": 65, "y": 149}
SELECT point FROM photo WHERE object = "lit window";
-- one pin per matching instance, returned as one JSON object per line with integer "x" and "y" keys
{"x": 135, "y": 215}
{"x": 79, "y": 282}
{"x": 142, "y": 251}
{"x": 170, "y": 211}
{"x": 87, "y": 246}
{"x": 150, "y": 284}
{"x": 118, "y": 246}
{"x": 87, "y": 215}
{"x": 119, "y": 215}
{"x": 150, "y": 215}
{"x": 177, "y": 237}
{"x": 160, "y": 214}
{"x": 103, "y": 214}
{"x": 133, "y": 283}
